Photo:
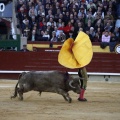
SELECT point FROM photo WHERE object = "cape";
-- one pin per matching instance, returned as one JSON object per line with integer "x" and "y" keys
{"x": 76, "y": 53}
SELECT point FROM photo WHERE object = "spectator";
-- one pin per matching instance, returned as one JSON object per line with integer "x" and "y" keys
{"x": 91, "y": 5}
{"x": 92, "y": 34}
{"x": 32, "y": 11}
{"x": 46, "y": 7}
{"x": 19, "y": 5}
{"x": 89, "y": 17}
{"x": 117, "y": 23}
{"x": 46, "y": 35}
{"x": 88, "y": 25}
{"x": 105, "y": 8}
{"x": 49, "y": 15}
{"x": 56, "y": 16}
{"x": 52, "y": 28}
{"x": 35, "y": 49}
{"x": 82, "y": 10}
{"x": 24, "y": 48}
{"x": 67, "y": 29}
{"x": 39, "y": 7}
{"x": 61, "y": 17}
{"x": 66, "y": 18}
{"x": 81, "y": 15}
{"x": 78, "y": 25}
{"x": 100, "y": 15}
{"x": 61, "y": 37}
{"x": 63, "y": 9}
{"x": 87, "y": 31}
{"x": 72, "y": 33}
{"x": 20, "y": 15}
{"x": 54, "y": 38}
{"x": 62, "y": 27}
{"x": 98, "y": 35}
{"x": 109, "y": 16}
{"x": 106, "y": 36}
{"x": 51, "y": 21}
{"x": 75, "y": 15}
{"x": 113, "y": 42}
{"x": 99, "y": 25}
{"x": 33, "y": 36}
{"x": 80, "y": 29}
{"x": 97, "y": 38}
{"x": 26, "y": 27}
{"x": 108, "y": 26}
{"x": 33, "y": 21}
{"x": 105, "y": 40}
{"x": 48, "y": 29}
{"x": 25, "y": 8}
{"x": 117, "y": 33}
{"x": 42, "y": 25}
{"x": 59, "y": 23}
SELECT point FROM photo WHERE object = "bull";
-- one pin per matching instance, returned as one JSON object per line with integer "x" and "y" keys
{"x": 47, "y": 81}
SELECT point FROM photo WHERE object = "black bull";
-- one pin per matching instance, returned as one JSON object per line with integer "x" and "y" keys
{"x": 48, "y": 81}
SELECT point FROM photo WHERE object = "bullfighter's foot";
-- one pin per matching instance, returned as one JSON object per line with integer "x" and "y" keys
{"x": 82, "y": 100}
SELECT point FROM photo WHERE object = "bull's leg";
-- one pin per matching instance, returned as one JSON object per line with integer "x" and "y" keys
{"x": 40, "y": 93}
{"x": 23, "y": 89}
{"x": 65, "y": 98}
{"x": 65, "y": 95}
{"x": 15, "y": 94}
{"x": 20, "y": 92}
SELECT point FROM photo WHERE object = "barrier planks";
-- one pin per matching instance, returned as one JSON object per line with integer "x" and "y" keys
{"x": 47, "y": 60}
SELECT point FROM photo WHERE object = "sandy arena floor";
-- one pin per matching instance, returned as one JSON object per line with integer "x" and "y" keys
{"x": 103, "y": 104}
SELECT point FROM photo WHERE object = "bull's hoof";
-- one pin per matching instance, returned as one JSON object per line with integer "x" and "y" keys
{"x": 40, "y": 93}
{"x": 82, "y": 100}
{"x": 13, "y": 97}
{"x": 21, "y": 98}
{"x": 70, "y": 100}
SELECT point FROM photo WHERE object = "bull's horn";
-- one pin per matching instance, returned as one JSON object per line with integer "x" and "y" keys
{"x": 70, "y": 84}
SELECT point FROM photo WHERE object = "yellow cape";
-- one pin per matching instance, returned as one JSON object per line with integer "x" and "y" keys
{"x": 76, "y": 54}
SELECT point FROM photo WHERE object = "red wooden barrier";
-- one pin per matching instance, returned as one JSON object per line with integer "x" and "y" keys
{"x": 44, "y": 60}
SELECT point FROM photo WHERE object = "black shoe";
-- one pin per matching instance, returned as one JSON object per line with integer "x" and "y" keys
{"x": 83, "y": 100}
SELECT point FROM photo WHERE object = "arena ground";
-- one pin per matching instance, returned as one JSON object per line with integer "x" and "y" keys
{"x": 103, "y": 104}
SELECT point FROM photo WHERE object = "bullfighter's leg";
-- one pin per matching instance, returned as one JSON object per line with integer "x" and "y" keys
{"x": 83, "y": 74}
{"x": 65, "y": 95}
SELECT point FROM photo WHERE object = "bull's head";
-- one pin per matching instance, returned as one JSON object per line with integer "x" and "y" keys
{"x": 75, "y": 85}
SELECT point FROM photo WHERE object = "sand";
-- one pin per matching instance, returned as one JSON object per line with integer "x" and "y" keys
{"x": 103, "y": 103}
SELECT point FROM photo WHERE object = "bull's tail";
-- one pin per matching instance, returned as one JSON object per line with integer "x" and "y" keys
{"x": 15, "y": 92}
{"x": 16, "y": 87}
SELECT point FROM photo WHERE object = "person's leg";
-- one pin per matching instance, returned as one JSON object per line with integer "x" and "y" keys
{"x": 84, "y": 78}
{"x": 80, "y": 76}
